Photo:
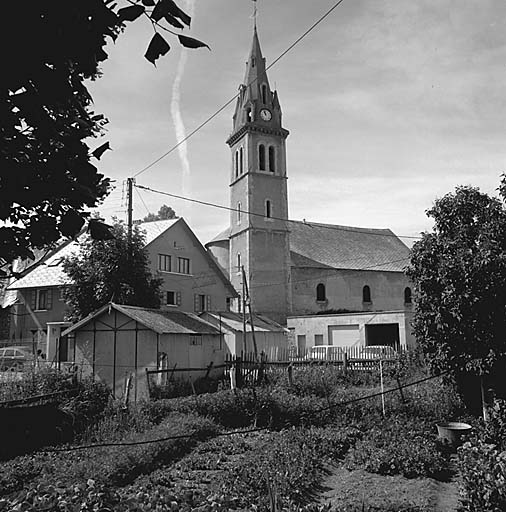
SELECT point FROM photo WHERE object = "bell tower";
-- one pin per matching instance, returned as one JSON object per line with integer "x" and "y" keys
{"x": 259, "y": 233}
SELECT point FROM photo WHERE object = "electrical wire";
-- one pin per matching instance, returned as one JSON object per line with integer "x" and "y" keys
{"x": 304, "y": 222}
{"x": 231, "y": 100}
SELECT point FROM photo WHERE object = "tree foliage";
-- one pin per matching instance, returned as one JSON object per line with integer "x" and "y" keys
{"x": 48, "y": 180}
{"x": 459, "y": 277}
{"x": 164, "y": 213}
{"x": 111, "y": 270}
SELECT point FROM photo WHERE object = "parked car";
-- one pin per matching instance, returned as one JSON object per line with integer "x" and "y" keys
{"x": 384, "y": 352}
{"x": 14, "y": 358}
{"x": 326, "y": 353}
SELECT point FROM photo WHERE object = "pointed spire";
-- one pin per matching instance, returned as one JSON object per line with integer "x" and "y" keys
{"x": 255, "y": 67}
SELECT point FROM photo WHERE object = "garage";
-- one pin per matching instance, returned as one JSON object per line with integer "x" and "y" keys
{"x": 382, "y": 334}
{"x": 344, "y": 335}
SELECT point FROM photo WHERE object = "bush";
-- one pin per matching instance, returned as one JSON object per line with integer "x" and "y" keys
{"x": 400, "y": 445}
{"x": 482, "y": 463}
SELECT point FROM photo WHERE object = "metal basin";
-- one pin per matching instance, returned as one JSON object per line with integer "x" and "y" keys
{"x": 453, "y": 431}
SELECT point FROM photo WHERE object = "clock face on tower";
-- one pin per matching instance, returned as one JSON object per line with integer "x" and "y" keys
{"x": 265, "y": 114}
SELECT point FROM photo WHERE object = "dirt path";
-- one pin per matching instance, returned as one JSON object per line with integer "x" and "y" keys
{"x": 344, "y": 488}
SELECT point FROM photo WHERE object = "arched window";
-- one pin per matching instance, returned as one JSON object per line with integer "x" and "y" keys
{"x": 272, "y": 159}
{"x": 366, "y": 294}
{"x": 239, "y": 263}
{"x": 268, "y": 209}
{"x": 261, "y": 157}
{"x": 238, "y": 213}
{"x": 320, "y": 293}
{"x": 407, "y": 295}
{"x": 240, "y": 160}
{"x": 264, "y": 94}
{"x": 248, "y": 115}
{"x": 236, "y": 164}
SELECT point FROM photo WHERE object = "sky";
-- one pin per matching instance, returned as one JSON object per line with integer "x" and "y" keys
{"x": 390, "y": 104}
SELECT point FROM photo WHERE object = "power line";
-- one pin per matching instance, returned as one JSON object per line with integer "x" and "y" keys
{"x": 304, "y": 222}
{"x": 231, "y": 100}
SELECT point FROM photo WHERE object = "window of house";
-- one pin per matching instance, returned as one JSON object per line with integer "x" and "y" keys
{"x": 407, "y": 295}
{"x": 264, "y": 94}
{"x": 268, "y": 209}
{"x": 320, "y": 293}
{"x": 240, "y": 160}
{"x": 318, "y": 339}
{"x": 61, "y": 293}
{"x": 201, "y": 303}
{"x": 261, "y": 157}
{"x": 43, "y": 300}
{"x": 183, "y": 265}
{"x": 272, "y": 158}
{"x": 173, "y": 298}
{"x": 164, "y": 262}
{"x": 366, "y": 294}
{"x": 228, "y": 303}
{"x": 238, "y": 213}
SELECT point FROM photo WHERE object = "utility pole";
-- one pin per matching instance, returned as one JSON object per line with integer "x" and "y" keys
{"x": 243, "y": 309}
{"x": 245, "y": 288}
{"x": 130, "y": 186}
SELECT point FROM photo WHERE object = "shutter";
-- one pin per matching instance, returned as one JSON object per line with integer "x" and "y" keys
{"x": 178, "y": 298}
{"x": 208, "y": 303}
{"x": 196, "y": 303}
{"x": 49, "y": 302}
{"x": 33, "y": 301}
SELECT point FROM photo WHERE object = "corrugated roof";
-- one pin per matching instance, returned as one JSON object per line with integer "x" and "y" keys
{"x": 161, "y": 321}
{"x": 234, "y": 321}
{"x": 345, "y": 247}
{"x": 50, "y": 272}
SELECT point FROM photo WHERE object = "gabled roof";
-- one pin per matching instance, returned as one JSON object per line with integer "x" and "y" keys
{"x": 345, "y": 247}
{"x": 161, "y": 321}
{"x": 49, "y": 271}
{"x": 234, "y": 322}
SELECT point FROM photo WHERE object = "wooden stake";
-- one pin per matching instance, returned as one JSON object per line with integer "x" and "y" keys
{"x": 382, "y": 388}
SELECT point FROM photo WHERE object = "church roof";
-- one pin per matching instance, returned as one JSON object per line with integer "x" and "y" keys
{"x": 345, "y": 247}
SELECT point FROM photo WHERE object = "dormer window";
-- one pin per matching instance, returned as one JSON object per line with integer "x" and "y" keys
{"x": 272, "y": 158}
{"x": 261, "y": 157}
{"x": 248, "y": 115}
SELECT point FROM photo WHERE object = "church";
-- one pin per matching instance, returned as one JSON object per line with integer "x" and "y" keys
{"x": 336, "y": 284}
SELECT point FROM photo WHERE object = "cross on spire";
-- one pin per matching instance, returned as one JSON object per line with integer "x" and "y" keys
{"x": 255, "y": 12}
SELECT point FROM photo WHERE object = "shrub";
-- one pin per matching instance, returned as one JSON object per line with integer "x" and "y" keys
{"x": 482, "y": 463}
{"x": 400, "y": 445}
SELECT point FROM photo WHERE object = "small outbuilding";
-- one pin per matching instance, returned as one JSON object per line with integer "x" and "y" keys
{"x": 117, "y": 342}
{"x": 271, "y": 338}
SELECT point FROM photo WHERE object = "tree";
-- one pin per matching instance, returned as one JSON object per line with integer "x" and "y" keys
{"x": 164, "y": 213}
{"x": 48, "y": 181}
{"x": 110, "y": 270}
{"x": 459, "y": 277}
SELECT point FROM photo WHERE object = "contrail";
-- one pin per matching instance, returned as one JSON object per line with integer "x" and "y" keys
{"x": 177, "y": 118}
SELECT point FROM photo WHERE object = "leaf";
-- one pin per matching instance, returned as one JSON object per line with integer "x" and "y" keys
{"x": 98, "y": 152}
{"x": 130, "y": 13}
{"x": 173, "y": 21}
{"x": 99, "y": 230}
{"x": 190, "y": 42}
{"x": 157, "y": 47}
{"x": 70, "y": 223}
{"x": 168, "y": 7}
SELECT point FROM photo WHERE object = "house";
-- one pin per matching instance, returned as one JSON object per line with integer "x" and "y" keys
{"x": 192, "y": 281}
{"x": 116, "y": 342}
{"x": 300, "y": 269}
{"x": 270, "y": 337}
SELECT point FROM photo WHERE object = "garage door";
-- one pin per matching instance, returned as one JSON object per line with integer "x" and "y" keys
{"x": 344, "y": 335}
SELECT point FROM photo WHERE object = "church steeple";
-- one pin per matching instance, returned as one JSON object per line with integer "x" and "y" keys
{"x": 256, "y": 102}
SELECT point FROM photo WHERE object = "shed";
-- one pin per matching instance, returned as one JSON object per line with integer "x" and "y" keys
{"x": 118, "y": 341}
{"x": 271, "y": 337}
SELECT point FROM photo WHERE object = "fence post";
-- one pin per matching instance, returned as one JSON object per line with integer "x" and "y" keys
{"x": 382, "y": 388}
{"x": 345, "y": 362}
{"x": 238, "y": 372}
{"x": 148, "y": 383}
{"x": 290, "y": 374}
